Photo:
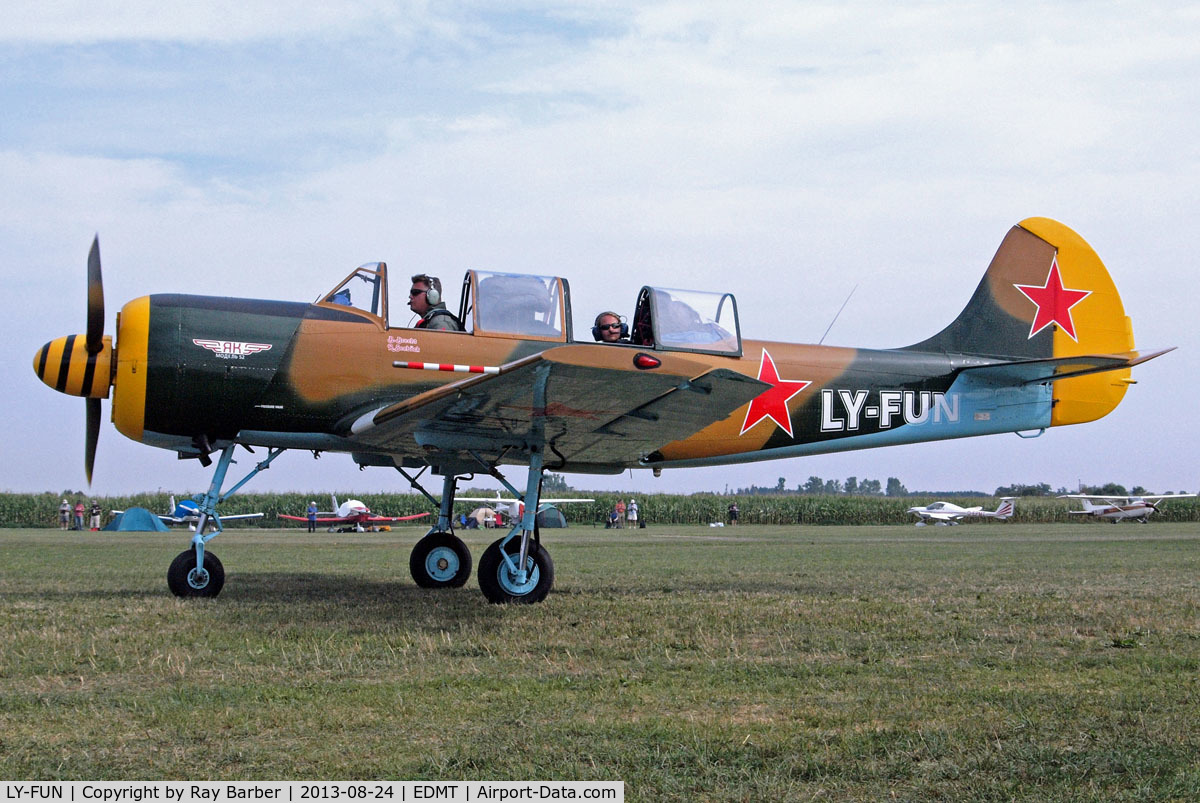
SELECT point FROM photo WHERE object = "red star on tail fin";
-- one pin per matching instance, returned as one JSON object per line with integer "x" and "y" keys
{"x": 1054, "y": 303}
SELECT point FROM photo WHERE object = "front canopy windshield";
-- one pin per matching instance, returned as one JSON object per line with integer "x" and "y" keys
{"x": 694, "y": 320}
{"x": 364, "y": 289}
{"x": 516, "y": 304}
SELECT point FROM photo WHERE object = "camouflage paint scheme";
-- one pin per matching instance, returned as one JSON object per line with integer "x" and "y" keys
{"x": 1043, "y": 342}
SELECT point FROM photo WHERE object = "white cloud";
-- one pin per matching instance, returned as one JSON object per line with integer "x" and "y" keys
{"x": 79, "y": 21}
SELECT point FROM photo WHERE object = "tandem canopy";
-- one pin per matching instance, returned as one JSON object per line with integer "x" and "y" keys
{"x": 137, "y": 519}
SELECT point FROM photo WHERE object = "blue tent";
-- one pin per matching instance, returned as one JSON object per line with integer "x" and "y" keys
{"x": 550, "y": 516}
{"x": 137, "y": 519}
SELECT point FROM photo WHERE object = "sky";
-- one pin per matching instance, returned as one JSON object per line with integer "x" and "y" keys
{"x": 786, "y": 152}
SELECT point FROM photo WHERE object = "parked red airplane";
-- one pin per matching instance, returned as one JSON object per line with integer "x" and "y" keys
{"x": 353, "y": 515}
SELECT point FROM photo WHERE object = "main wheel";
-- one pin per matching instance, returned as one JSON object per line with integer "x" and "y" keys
{"x": 440, "y": 560}
{"x": 186, "y": 581}
{"x": 500, "y": 584}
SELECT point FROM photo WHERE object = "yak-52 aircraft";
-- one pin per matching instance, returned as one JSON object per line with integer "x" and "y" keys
{"x": 351, "y": 515}
{"x": 950, "y": 513}
{"x": 1117, "y": 508}
{"x": 1043, "y": 342}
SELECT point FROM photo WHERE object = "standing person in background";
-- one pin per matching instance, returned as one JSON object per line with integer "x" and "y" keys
{"x": 733, "y": 514}
{"x": 312, "y": 517}
{"x": 64, "y": 515}
{"x": 79, "y": 515}
{"x": 94, "y": 524}
{"x": 620, "y": 507}
{"x": 631, "y": 514}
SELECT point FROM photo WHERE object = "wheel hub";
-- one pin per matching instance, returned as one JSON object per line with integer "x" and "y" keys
{"x": 442, "y": 564}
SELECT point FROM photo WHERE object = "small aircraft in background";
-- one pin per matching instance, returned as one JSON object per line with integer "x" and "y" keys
{"x": 1115, "y": 508}
{"x": 352, "y": 515}
{"x": 950, "y": 513}
{"x": 513, "y": 509}
{"x": 188, "y": 512}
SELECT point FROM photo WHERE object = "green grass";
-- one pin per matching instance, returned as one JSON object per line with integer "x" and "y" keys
{"x": 990, "y": 662}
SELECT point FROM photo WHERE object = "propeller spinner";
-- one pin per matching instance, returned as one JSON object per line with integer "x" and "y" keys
{"x": 82, "y": 365}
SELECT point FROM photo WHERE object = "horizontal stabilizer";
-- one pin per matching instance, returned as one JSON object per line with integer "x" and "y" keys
{"x": 1052, "y": 369}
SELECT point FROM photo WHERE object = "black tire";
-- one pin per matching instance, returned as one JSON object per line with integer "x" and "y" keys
{"x": 497, "y": 582}
{"x": 440, "y": 560}
{"x": 184, "y": 581}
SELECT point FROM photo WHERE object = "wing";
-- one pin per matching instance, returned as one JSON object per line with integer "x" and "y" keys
{"x": 566, "y": 396}
{"x": 944, "y": 516}
{"x": 373, "y": 519}
{"x": 327, "y": 520}
{"x": 196, "y": 518}
{"x": 510, "y": 501}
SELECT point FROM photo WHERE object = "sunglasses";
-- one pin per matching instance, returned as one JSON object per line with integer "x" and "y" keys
{"x": 415, "y": 293}
{"x": 610, "y": 326}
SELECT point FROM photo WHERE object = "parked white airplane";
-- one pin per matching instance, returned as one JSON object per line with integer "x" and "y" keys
{"x": 1115, "y": 508}
{"x": 950, "y": 513}
{"x": 513, "y": 508}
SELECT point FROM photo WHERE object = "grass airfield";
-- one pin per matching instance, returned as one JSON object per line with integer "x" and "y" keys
{"x": 980, "y": 662}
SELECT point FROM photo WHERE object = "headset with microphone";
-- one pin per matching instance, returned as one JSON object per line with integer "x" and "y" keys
{"x": 433, "y": 295}
{"x": 597, "y": 332}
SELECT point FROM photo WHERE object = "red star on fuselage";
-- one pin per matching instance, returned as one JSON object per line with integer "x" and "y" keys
{"x": 1054, "y": 303}
{"x": 772, "y": 403}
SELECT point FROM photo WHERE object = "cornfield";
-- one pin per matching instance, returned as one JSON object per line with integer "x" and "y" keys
{"x": 41, "y": 510}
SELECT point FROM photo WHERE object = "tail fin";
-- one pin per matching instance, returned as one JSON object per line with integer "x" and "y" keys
{"x": 1047, "y": 296}
{"x": 1006, "y": 509}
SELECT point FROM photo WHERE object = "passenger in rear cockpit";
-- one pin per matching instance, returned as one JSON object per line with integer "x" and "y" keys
{"x": 609, "y": 328}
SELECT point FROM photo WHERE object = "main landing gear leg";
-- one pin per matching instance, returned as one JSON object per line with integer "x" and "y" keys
{"x": 516, "y": 568}
{"x": 196, "y": 572}
{"x": 441, "y": 559}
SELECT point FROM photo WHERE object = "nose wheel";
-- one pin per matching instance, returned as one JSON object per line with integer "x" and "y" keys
{"x": 186, "y": 579}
